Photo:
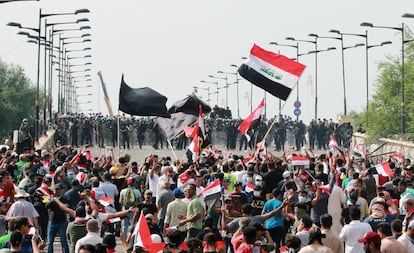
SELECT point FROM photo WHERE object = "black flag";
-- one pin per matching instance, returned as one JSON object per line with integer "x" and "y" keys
{"x": 142, "y": 101}
{"x": 189, "y": 105}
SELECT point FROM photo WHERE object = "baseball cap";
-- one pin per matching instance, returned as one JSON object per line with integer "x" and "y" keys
{"x": 113, "y": 170}
{"x": 130, "y": 181}
{"x": 286, "y": 174}
{"x": 177, "y": 193}
{"x": 370, "y": 237}
{"x": 47, "y": 179}
{"x": 148, "y": 192}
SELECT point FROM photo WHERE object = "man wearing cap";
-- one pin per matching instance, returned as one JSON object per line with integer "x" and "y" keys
{"x": 22, "y": 207}
{"x": 408, "y": 238}
{"x": 57, "y": 221}
{"x": 388, "y": 243}
{"x": 372, "y": 242}
{"x": 175, "y": 209}
{"x": 131, "y": 187}
{"x": 40, "y": 194}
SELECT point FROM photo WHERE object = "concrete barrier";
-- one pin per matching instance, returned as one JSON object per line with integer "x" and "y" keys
{"x": 383, "y": 145}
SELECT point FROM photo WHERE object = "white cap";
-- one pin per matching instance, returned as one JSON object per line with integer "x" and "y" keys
{"x": 286, "y": 174}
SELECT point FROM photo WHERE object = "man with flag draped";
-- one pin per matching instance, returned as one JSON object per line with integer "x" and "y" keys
{"x": 251, "y": 123}
{"x": 199, "y": 137}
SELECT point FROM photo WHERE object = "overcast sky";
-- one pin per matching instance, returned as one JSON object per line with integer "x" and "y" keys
{"x": 171, "y": 45}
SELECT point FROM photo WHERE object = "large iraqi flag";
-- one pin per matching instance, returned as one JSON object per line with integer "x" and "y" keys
{"x": 272, "y": 72}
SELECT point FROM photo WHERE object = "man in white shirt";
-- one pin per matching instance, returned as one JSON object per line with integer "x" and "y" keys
{"x": 408, "y": 237}
{"x": 92, "y": 237}
{"x": 351, "y": 232}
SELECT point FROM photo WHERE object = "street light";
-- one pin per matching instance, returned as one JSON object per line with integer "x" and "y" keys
{"x": 237, "y": 87}
{"x": 38, "y": 30}
{"x": 400, "y": 29}
{"x": 342, "y": 61}
{"x": 196, "y": 88}
{"x": 227, "y": 85}
{"x": 315, "y": 42}
{"x": 216, "y": 83}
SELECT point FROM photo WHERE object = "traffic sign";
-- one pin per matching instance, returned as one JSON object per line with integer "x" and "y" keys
{"x": 297, "y": 112}
{"x": 297, "y": 104}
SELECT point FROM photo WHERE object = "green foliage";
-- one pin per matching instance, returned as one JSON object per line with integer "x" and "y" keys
{"x": 17, "y": 98}
{"x": 385, "y": 107}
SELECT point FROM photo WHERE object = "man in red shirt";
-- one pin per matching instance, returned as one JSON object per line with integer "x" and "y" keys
{"x": 6, "y": 190}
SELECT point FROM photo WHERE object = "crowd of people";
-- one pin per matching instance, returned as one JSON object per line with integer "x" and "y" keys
{"x": 337, "y": 203}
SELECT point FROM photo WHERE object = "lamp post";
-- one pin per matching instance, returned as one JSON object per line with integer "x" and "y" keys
{"x": 315, "y": 42}
{"x": 400, "y": 29}
{"x": 237, "y": 87}
{"x": 342, "y": 61}
{"x": 216, "y": 83}
{"x": 227, "y": 85}
{"x": 196, "y": 88}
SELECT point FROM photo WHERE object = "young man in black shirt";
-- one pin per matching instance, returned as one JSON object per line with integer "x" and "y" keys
{"x": 57, "y": 221}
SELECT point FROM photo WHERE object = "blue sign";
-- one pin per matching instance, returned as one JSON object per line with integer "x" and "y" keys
{"x": 297, "y": 112}
{"x": 297, "y": 104}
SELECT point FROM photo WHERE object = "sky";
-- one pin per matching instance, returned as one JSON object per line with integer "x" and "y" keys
{"x": 172, "y": 45}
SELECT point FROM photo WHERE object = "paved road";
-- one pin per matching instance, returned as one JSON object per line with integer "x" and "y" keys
{"x": 140, "y": 154}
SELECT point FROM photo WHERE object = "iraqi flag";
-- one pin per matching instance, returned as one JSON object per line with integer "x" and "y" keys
{"x": 252, "y": 119}
{"x": 261, "y": 150}
{"x": 199, "y": 136}
{"x": 384, "y": 169}
{"x": 249, "y": 187}
{"x": 300, "y": 161}
{"x": 333, "y": 145}
{"x": 272, "y": 72}
{"x": 248, "y": 159}
{"x": 142, "y": 236}
{"x": 359, "y": 151}
{"x": 212, "y": 191}
{"x": 397, "y": 156}
{"x": 106, "y": 201}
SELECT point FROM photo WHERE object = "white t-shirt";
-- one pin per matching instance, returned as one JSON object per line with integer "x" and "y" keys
{"x": 153, "y": 184}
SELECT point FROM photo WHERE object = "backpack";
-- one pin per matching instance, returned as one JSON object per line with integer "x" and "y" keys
{"x": 129, "y": 199}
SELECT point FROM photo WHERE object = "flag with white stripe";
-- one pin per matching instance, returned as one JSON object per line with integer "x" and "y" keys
{"x": 212, "y": 191}
{"x": 275, "y": 73}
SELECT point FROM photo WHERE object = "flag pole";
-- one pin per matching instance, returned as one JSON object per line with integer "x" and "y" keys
{"x": 118, "y": 133}
{"x": 271, "y": 125}
{"x": 172, "y": 149}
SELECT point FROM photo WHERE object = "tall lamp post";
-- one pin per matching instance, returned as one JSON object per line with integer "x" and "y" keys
{"x": 227, "y": 85}
{"x": 342, "y": 60}
{"x": 400, "y": 29}
{"x": 216, "y": 83}
{"x": 237, "y": 87}
{"x": 315, "y": 42}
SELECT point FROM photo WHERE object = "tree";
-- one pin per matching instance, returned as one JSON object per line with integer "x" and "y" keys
{"x": 384, "y": 114}
{"x": 17, "y": 98}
